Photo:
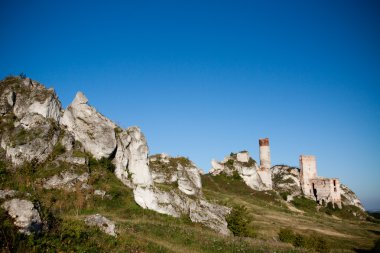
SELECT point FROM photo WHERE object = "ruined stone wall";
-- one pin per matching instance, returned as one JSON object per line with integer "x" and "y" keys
{"x": 326, "y": 190}
{"x": 336, "y": 193}
{"x": 308, "y": 171}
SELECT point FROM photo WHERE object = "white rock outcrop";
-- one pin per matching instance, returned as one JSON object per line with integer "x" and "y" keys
{"x": 179, "y": 170}
{"x": 25, "y": 215}
{"x": 67, "y": 181}
{"x": 132, "y": 168}
{"x": 104, "y": 224}
{"x": 34, "y": 138}
{"x": 245, "y": 166}
{"x": 286, "y": 179}
{"x": 93, "y": 130}
{"x": 4, "y": 194}
{"x": 349, "y": 197}
{"x": 35, "y": 98}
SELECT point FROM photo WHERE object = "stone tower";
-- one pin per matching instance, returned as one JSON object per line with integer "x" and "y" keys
{"x": 264, "y": 153}
{"x": 264, "y": 170}
{"x": 308, "y": 167}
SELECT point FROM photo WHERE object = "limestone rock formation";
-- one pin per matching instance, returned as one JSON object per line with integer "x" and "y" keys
{"x": 286, "y": 179}
{"x": 349, "y": 197}
{"x": 249, "y": 171}
{"x": 4, "y": 194}
{"x": 25, "y": 215}
{"x": 25, "y": 96}
{"x": 93, "y": 130}
{"x": 30, "y": 114}
{"x": 67, "y": 181}
{"x": 176, "y": 170}
{"x": 33, "y": 138}
{"x": 104, "y": 224}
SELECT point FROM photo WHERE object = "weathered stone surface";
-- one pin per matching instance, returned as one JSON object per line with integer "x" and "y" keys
{"x": 33, "y": 139}
{"x": 180, "y": 170}
{"x": 4, "y": 194}
{"x": 349, "y": 197}
{"x": 7, "y": 101}
{"x": 132, "y": 169}
{"x": 322, "y": 190}
{"x": 69, "y": 158}
{"x": 35, "y": 98}
{"x": 93, "y": 130}
{"x": 286, "y": 179}
{"x": 102, "y": 194}
{"x": 249, "y": 171}
{"x": 67, "y": 181}
{"x": 68, "y": 141}
{"x": 177, "y": 203}
{"x": 211, "y": 215}
{"x": 25, "y": 216}
{"x": 242, "y": 157}
{"x": 104, "y": 224}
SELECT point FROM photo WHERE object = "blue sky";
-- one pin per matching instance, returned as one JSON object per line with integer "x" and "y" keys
{"x": 204, "y": 78}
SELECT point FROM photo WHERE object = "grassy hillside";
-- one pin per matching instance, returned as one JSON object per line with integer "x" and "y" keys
{"x": 147, "y": 231}
{"x": 340, "y": 229}
{"x": 139, "y": 230}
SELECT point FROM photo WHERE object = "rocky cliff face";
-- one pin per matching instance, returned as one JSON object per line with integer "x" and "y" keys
{"x": 93, "y": 130}
{"x": 245, "y": 166}
{"x": 30, "y": 115}
{"x": 33, "y": 125}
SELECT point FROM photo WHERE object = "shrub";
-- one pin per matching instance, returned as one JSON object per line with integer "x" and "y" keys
{"x": 284, "y": 195}
{"x": 238, "y": 221}
{"x": 107, "y": 164}
{"x": 3, "y": 172}
{"x": 304, "y": 204}
{"x": 235, "y": 175}
{"x": 286, "y": 235}
{"x": 59, "y": 149}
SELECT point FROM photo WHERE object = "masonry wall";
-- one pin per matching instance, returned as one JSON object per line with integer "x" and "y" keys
{"x": 308, "y": 171}
{"x": 264, "y": 153}
{"x": 265, "y": 163}
{"x": 326, "y": 190}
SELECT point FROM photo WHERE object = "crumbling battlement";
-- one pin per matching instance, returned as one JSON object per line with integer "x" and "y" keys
{"x": 322, "y": 190}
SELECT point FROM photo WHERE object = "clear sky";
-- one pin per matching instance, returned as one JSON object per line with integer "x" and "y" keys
{"x": 204, "y": 78}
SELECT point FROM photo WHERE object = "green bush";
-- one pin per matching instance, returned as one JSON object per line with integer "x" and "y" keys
{"x": 238, "y": 221}
{"x": 236, "y": 176}
{"x": 3, "y": 172}
{"x": 304, "y": 204}
{"x": 286, "y": 235}
{"x": 59, "y": 149}
{"x": 284, "y": 195}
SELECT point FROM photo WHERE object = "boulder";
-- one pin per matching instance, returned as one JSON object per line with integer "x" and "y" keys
{"x": 25, "y": 215}
{"x": 92, "y": 129}
{"x": 104, "y": 224}
{"x": 4, "y": 194}
{"x": 67, "y": 181}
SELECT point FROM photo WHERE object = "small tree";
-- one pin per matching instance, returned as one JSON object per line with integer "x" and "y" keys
{"x": 238, "y": 221}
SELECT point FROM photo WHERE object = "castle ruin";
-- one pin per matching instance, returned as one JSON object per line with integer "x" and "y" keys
{"x": 322, "y": 190}
{"x": 264, "y": 170}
